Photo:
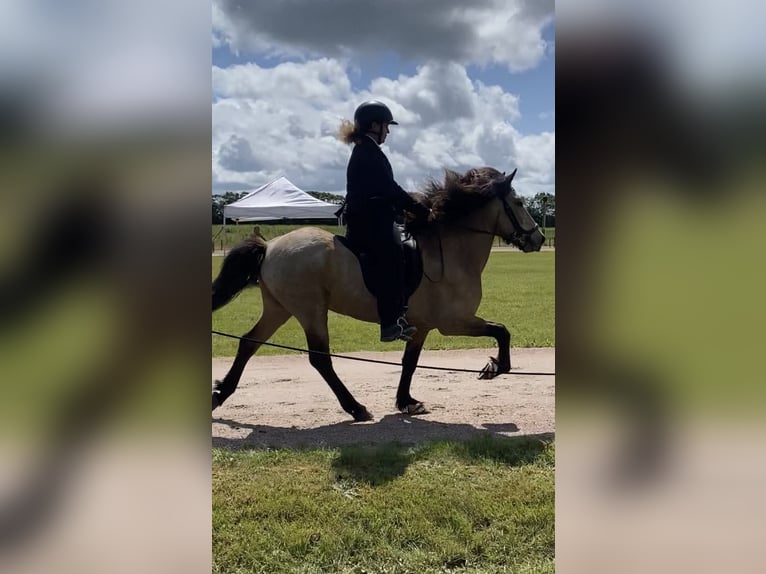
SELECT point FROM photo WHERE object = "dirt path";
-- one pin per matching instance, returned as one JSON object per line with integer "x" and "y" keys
{"x": 282, "y": 401}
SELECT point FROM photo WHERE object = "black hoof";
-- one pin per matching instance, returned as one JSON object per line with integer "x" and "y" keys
{"x": 216, "y": 399}
{"x": 416, "y": 408}
{"x": 361, "y": 414}
{"x": 493, "y": 368}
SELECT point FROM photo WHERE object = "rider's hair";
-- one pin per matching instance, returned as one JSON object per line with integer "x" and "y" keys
{"x": 348, "y": 132}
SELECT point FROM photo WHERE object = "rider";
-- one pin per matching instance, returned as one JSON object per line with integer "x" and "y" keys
{"x": 373, "y": 201}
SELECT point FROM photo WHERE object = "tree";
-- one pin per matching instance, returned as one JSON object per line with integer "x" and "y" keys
{"x": 219, "y": 201}
{"x": 539, "y": 205}
{"x": 326, "y": 196}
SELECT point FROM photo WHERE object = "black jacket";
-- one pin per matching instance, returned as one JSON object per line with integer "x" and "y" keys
{"x": 372, "y": 195}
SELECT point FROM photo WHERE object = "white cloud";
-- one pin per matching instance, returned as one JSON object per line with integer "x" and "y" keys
{"x": 507, "y": 32}
{"x": 323, "y": 80}
{"x": 536, "y": 163}
{"x": 280, "y": 121}
{"x": 437, "y": 92}
{"x": 283, "y": 120}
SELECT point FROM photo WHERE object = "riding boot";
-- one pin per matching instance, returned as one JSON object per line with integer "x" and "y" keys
{"x": 391, "y": 311}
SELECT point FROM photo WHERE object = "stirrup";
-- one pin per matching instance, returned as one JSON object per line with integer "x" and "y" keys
{"x": 399, "y": 330}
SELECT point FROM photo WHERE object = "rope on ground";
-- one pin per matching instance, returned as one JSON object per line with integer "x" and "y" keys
{"x": 456, "y": 370}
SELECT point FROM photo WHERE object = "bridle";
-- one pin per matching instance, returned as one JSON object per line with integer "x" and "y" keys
{"x": 518, "y": 230}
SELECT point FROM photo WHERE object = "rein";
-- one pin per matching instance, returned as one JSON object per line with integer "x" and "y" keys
{"x": 466, "y": 227}
{"x": 441, "y": 259}
{"x": 517, "y": 227}
{"x": 518, "y": 231}
{"x": 441, "y": 247}
{"x": 482, "y": 231}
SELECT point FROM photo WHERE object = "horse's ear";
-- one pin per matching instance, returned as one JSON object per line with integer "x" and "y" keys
{"x": 509, "y": 178}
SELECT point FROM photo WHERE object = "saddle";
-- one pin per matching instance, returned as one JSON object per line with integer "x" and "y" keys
{"x": 413, "y": 264}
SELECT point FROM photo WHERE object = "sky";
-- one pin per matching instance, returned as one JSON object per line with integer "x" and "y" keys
{"x": 470, "y": 83}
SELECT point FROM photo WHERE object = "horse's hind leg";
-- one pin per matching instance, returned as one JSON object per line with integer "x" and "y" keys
{"x": 404, "y": 401}
{"x": 273, "y": 317}
{"x": 318, "y": 340}
{"x": 478, "y": 327}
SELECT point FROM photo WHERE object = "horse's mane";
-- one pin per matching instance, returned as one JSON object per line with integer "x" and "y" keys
{"x": 458, "y": 195}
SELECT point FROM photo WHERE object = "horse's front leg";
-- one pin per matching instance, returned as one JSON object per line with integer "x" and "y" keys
{"x": 478, "y": 327}
{"x": 404, "y": 401}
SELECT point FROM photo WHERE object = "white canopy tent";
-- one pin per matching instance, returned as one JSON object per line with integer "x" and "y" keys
{"x": 278, "y": 199}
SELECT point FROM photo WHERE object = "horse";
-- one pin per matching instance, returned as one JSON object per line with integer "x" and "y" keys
{"x": 308, "y": 272}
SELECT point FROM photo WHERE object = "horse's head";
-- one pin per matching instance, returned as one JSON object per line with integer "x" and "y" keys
{"x": 483, "y": 200}
{"x": 514, "y": 224}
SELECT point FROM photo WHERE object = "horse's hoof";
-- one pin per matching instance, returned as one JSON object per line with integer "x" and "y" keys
{"x": 414, "y": 409}
{"x": 490, "y": 370}
{"x": 361, "y": 414}
{"x": 216, "y": 400}
{"x": 493, "y": 369}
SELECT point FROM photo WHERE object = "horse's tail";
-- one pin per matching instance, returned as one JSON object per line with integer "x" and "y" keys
{"x": 240, "y": 268}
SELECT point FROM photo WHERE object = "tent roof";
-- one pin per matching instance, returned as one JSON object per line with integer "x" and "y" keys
{"x": 279, "y": 199}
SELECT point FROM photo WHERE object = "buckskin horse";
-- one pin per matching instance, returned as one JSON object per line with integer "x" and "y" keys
{"x": 308, "y": 272}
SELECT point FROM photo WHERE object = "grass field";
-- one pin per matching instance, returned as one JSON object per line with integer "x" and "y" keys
{"x": 484, "y": 505}
{"x": 518, "y": 291}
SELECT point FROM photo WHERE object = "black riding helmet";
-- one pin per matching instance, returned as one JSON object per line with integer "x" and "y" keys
{"x": 372, "y": 111}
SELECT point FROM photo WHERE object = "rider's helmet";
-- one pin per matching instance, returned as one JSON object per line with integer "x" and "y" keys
{"x": 372, "y": 111}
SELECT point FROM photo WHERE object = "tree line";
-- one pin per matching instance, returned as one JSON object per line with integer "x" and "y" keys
{"x": 542, "y": 203}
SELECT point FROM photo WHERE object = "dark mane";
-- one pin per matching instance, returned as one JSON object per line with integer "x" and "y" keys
{"x": 459, "y": 194}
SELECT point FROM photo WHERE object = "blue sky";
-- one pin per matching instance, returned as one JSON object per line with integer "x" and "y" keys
{"x": 470, "y": 86}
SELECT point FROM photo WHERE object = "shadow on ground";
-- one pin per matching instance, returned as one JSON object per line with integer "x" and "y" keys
{"x": 391, "y": 428}
{"x": 378, "y": 452}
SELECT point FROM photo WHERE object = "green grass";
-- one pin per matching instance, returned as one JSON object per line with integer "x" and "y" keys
{"x": 518, "y": 291}
{"x": 484, "y": 505}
